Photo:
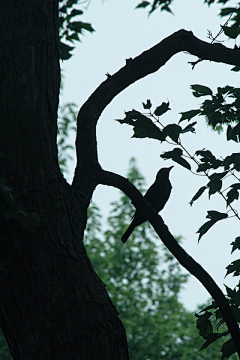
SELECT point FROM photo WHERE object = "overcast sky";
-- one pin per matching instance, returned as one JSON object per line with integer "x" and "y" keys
{"x": 122, "y": 32}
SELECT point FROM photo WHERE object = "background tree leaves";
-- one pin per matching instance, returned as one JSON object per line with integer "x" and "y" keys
{"x": 69, "y": 29}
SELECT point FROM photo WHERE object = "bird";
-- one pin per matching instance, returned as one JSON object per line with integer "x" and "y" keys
{"x": 157, "y": 195}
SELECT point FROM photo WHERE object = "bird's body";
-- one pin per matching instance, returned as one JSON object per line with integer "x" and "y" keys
{"x": 157, "y": 195}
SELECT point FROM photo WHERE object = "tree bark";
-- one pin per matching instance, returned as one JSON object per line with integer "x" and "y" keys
{"x": 52, "y": 304}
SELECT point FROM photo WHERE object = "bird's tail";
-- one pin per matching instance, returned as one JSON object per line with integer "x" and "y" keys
{"x": 128, "y": 233}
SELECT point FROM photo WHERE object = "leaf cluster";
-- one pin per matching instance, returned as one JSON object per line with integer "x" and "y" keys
{"x": 210, "y": 318}
{"x": 163, "y": 5}
{"x": 232, "y": 30}
{"x": 218, "y": 110}
{"x": 70, "y": 29}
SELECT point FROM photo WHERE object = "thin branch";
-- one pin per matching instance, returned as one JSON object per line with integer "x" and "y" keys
{"x": 148, "y": 62}
{"x": 111, "y": 179}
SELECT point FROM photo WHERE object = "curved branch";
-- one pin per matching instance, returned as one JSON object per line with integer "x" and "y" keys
{"x": 111, "y": 179}
{"x": 148, "y": 62}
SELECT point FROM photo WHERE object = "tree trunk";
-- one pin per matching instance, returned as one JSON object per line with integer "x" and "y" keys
{"x": 52, "y": 304}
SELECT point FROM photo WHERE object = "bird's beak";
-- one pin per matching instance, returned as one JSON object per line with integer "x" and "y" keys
{"x": 170, "y": 168}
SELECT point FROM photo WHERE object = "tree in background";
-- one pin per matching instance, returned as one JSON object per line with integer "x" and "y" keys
{"x": 144, "y": 282}
{"x": 52, "y": 303}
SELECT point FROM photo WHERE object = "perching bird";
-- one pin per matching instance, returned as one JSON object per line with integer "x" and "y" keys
{"x": 157, "y": 195}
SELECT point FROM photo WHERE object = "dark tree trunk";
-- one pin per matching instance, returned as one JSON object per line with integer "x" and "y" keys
{"x": 52, "y": 304}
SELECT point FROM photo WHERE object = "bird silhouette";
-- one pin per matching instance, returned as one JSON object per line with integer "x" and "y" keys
{"x": 157, "y": 195}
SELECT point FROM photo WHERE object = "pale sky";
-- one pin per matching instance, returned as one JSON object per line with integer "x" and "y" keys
{"x": 121, "y": 33}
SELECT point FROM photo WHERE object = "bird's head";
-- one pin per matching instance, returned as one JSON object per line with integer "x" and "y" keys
{"x": 163, "y": 172}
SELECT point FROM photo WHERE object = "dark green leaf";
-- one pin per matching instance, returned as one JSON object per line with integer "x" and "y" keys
{"x": 166, "y": 8}
{"x": 70, "y": 3}
{"x": 230, "y": 134}
{"x": 235, "y": 131}
{"x": 188, "y": 115}
{"x": 176, "y": 155}
{"x": 211, "y": 338}
{"x": 73, "y": 37}
{"x": 236, "y": 244}
{"x": 160, "y": 110}
{"x": 214, "y": 216}
{"x": 189, "y": 128}
{"x": 233, "y": 193}
{"x": 143, "y": 4}
{"x": 215, "y": 183}
{"x": 204, "y": 324}
{"x": 236, "y": 68}
{"x": 63, "y": 9}
{"x": 234, "y": 268}
{"x": 148, "y": 104}
{"x": 230, "y": 292}
{"x": 227, "y": 11}
{"x": 78, "y": 26}
{"x": 232, "y": 159}
{"x": 198, "y": 194}
{"x": 201, "y": 90}
{"x": 173, "y": 131}
{"x": 232, "y": 31}
{"x": 142, "y": 125}
{"x": 65, "y": 51}
{"x": 228, "y": 349}
{"x": 76, "y": 12}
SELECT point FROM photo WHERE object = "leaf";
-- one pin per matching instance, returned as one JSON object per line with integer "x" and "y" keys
{"x": 230, "y": 292}
{"x": 227, "y": 11}
{"x": 233, "y": 193}
{"x": 176, "y": 155}
{"x": 173, "y": 131}
{"x": 143, "y": 4}
{"x": 65, "y": 51}
{"x": 148, "y": 104}
{"x": 166, "y": 8}
{"x": 189, "y": 128}
{"x": 203, "y": 324}
{"x": 214, "y": 216}
{"x": 198, "y": 194}
{"x": 232, "y": 31}
{"x": 236, "y": 244}
{"x": 228, "y": 349}
{"x": 234, "y": 268}
{"x": 188, "y": 115}
{"x": 236, "y": 68}
{"x": 234, "y": 159}
{"x": 211, "y": 338}
{"x": 229, "y": 134}
{"x": 235, "y": 132}
{"x": 76, "y": 12}
{"x": 78, "y": 26}
{"x": 160, "y": 110}
{"x": 215, "y": 183}
{"x": 142, "y": 125}
{"x": 200, "y": 90}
